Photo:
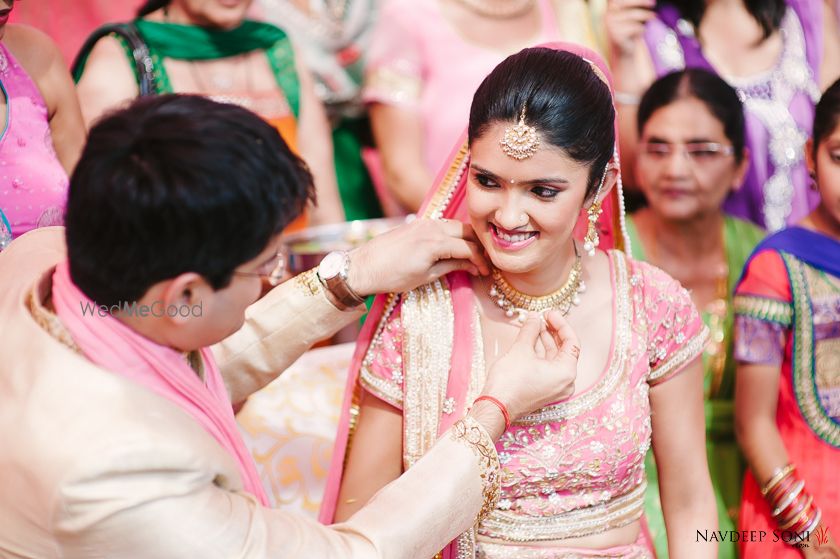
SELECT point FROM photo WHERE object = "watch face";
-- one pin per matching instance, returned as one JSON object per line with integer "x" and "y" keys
{"x": 331, "y": 265}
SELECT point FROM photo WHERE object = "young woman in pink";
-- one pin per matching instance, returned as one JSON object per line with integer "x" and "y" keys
{"x": 539, "y": 157}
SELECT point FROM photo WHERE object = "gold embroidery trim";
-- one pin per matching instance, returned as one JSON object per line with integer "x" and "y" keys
{"x": 686, "y": 353}
{"x": 489, "y": 550}
{"x": 392, "y": 86}
{"x": 764, "y": 308}
{"x": 446, "y": 189}
{"x": 384, "y": 389}
{"x": 309, "y": 282}
{"x": 803, "y": 365}
{"x": 49, "y": 321}
{"x": 615, "y": 513}
{"x": 469, "y": 432}
{"x": 429, "y": 329}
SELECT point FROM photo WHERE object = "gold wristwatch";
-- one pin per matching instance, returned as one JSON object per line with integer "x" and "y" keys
{"x": 332, "y": 272}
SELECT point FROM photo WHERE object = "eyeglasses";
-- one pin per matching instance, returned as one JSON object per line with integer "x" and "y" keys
{"x": 696, "y": 152}
{"x": 272, "y": 271}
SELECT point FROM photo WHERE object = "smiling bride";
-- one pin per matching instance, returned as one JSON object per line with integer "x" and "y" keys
{"x": 539, "y": 157}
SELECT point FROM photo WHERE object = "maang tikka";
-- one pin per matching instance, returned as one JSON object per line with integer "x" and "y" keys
{"x": 591, "y": 240}
{"x": 520, "y": 141}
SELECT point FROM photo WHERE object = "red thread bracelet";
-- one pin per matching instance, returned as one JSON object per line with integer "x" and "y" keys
{"x": 499, "y": 405}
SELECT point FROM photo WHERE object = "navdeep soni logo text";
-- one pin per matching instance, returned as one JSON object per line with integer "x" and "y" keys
{"x": 157, "y": 309}
{"x": 796, "y": 539}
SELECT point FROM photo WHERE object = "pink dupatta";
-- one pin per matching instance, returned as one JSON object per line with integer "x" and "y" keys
{"x": 447, "y": 201}
{"x": 112, "y": 345}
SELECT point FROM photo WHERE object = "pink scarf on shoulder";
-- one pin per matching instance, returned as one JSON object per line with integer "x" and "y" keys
{"x": 112, "y": 345}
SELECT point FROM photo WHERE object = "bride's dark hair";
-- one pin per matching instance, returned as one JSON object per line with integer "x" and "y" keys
{"x": 564, "y": 99}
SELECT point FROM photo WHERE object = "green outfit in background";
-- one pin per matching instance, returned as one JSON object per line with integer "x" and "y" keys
{"x": 354, "y": 183}
{"x": 726, "y": 464}
{"x": 333, "y": 38}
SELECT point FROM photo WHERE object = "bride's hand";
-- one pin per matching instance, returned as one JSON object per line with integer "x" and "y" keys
{"x": 540, "y": 367}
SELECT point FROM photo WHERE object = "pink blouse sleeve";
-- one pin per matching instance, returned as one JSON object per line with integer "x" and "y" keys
{"x": 676, "y": 333}
{"x": 394, "y": 67}
{"x": 382, "y": 370}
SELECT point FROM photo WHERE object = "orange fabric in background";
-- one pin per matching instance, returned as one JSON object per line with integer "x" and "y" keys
{"x": 69, "y": 22}
{"x": 287, "y": 126}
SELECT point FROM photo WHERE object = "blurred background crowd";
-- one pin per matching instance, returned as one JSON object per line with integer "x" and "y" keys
{"x": 716, "y": 103}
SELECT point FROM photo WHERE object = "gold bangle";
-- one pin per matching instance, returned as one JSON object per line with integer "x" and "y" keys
{"x": 468, "y": 431}
{"x": 778, "y": 476}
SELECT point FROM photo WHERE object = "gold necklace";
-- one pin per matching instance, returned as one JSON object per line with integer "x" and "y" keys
{"x": 517, "y": 304}
{"x": 500, "y": 9}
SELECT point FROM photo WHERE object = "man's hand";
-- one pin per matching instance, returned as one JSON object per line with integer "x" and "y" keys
{"x": 415, "y": 254}
{"x": 539, "y": 369}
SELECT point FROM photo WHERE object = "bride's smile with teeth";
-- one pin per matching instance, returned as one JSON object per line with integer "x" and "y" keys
{"x": 511, "y": 239}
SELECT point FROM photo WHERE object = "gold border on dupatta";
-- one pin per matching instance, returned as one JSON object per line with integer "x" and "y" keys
{"x": 440, "y": 200}
{"x": 764, "y": 308}
{"x": 804, "y": 364}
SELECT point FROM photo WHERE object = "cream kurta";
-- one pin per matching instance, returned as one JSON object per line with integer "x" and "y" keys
{"x": 93, "y": 465}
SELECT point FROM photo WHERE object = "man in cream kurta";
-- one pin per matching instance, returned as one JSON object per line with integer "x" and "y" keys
{"x": 95, "y": 465}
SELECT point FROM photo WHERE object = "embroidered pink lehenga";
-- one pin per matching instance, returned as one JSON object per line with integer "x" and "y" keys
{"x": 570, "y": 470}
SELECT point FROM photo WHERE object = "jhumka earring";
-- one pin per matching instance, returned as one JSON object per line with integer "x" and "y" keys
{"x": 520, "y": 141}
{"x": 591, "y": 240}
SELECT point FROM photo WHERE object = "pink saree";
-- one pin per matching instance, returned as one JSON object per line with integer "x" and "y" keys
{"x": 435, "y": 368}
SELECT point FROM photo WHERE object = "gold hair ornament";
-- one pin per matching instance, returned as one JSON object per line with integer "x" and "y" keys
{"x": 520, "y": 141}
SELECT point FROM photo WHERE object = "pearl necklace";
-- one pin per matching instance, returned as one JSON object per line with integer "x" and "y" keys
{"x": 500, "y": 9}
{"x": 517, "y": 304}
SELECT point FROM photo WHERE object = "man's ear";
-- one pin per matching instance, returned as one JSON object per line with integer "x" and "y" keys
{"x": 185, "y": 290}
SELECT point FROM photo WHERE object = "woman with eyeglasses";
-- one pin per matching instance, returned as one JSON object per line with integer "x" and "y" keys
{"x": 691, "y": 157}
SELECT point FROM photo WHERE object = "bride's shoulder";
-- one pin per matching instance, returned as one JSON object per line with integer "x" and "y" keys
{"x": 650, "y": 282}
{"x": 644, "y": 272}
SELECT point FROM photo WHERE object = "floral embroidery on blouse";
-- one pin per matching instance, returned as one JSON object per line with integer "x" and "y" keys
{"x": 382, "y": 369}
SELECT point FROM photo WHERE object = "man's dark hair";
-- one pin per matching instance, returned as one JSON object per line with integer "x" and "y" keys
{"x": 176, "y": 184}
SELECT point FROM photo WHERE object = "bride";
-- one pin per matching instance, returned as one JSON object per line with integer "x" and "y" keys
{"x": 540, "y": 155}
